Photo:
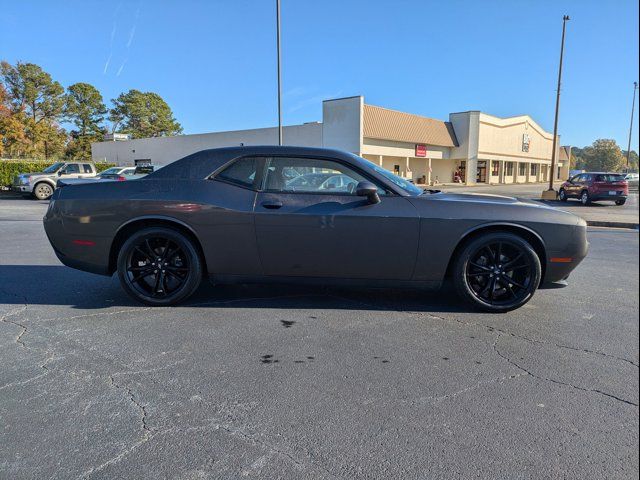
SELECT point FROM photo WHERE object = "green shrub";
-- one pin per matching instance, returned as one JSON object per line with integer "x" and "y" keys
{"x": 10, "y": 168}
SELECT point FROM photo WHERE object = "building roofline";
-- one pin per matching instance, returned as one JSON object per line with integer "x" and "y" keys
{"x": 406, "y": 113}
{"x": 342, "y": 98}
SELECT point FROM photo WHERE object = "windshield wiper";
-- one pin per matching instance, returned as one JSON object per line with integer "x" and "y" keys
{"x": 430, "y": 191}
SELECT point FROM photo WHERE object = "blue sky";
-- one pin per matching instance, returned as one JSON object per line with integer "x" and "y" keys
{"x": 214, "y": 61}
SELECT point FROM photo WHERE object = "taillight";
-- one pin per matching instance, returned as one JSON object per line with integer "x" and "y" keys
{"x": 121, "y": 178}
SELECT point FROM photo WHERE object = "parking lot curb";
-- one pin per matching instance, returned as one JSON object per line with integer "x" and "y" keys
{"x": 598, "y": 223}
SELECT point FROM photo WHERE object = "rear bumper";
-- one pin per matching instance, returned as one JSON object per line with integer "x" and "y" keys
{"x": 93, "y": 257}
{"x": 605, "y": 196}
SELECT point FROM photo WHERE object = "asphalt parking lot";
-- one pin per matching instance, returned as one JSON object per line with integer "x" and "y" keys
{"x": 291, "y": 382}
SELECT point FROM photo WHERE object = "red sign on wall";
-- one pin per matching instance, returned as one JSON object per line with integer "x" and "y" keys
{"x": 421, "y": 150}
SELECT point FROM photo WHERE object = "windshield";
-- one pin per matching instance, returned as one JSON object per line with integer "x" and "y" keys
{"x": 53, "y": 168}
{"x": 405, "y": 185}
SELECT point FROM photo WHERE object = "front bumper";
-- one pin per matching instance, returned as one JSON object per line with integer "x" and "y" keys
{"x": 22, "y": 188}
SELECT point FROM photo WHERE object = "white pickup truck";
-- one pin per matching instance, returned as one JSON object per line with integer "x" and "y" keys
{"x": 42, "y": 184}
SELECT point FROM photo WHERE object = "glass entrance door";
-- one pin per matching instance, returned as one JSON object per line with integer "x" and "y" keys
{"x": 481, "y": 176}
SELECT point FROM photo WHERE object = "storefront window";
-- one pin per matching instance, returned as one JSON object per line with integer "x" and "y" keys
{"x": 495, "y": 168}
{"x": 534, "y": 169}
{"x": 509, "y": 169}
{"x": 522, "y": 169}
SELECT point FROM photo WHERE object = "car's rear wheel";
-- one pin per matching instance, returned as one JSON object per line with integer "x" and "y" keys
{"x": 42, "y": 191}
{"x": 497, "y": 272}
{"x": 562, "y": 195}
{"x": 159, "y": 266}
{"x": 585, "y": 199}
{"x": 622, "y": 201}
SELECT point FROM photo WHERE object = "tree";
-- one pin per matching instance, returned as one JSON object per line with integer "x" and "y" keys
{"x": 603, "y": 155}
{"x": 32, "y": 90}
{"x": 13, "y": 139}
{"x": 143, "y": 114}
{"x": 84, "y": 107}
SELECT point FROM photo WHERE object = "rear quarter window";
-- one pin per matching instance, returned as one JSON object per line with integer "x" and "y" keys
{"x": 242, "y": 172}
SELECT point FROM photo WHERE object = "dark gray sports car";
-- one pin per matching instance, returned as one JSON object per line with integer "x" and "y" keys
{"x": 293, "y": 214}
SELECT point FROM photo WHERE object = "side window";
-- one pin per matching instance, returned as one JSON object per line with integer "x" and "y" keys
{"x": 87, "y": 168}
{"x": 311, "y": 175}
{"x": 242, "y": 172}
{"x": 72, "y": 168}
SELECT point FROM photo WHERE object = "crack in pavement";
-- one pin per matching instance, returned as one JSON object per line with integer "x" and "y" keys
{"x": 251, "y": 438}
{"x": 557, "y": 382}
{"x": 43, "y": 366}
{"x": 470, "y": 388}
{"x": 490, "y": 328}
{"x": 11, "y": 313}
{"x": 148, "y": 432}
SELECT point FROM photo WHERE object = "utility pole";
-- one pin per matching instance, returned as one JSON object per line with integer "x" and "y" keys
{"x": 550, "y": 192}
{"x": 279, "y": 75}
{"x": 633, "y": 106}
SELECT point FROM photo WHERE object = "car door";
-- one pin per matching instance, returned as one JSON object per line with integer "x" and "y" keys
{"x": 71, "y": 170}
{"x": 573, "y": 186}
{"x": 319, "y": 229}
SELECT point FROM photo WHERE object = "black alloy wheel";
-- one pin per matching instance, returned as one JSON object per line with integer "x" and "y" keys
{"x": 159, "y": 266}
{"x": 497, "y": 272}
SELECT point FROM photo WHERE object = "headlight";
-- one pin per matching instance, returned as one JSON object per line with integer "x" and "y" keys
{"x": 25, "y": 180}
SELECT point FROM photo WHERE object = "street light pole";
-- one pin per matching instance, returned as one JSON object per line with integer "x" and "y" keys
{"x": 555, "y": 122}
{"x": 279, "y": 75}
{"x": 633, "y": 106}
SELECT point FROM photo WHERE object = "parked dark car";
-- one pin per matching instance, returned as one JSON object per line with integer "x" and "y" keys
{"x": 595, "y": 186}
{"x": 234, "y": 215}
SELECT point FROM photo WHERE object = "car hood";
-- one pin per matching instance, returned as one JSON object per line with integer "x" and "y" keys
{"x": 490, "y": 207}
{"x": 471, "y": 197}
{"x": 34, "y": 174}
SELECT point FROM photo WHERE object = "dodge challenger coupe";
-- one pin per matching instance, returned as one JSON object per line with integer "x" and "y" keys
{"x": 308, "y": 215}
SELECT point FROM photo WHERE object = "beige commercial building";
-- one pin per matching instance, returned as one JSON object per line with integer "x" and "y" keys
{"x": 471, "y": 147}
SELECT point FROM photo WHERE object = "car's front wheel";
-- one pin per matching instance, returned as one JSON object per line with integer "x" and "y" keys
{"x": 497, "y": 272}
{"x": 42, "y": 191}
{"x": 562, "y": 195}
{"x": 622, "y": 201}
{"x": 159, "y": 266}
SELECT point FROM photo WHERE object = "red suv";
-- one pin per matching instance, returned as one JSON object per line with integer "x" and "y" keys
{"x": 594, "y": 186}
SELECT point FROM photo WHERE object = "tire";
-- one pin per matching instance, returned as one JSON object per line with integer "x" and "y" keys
{"x": 484, "y": 282}
{"x": 167, "y": 281}
{"x": 621, "y": 201}
{"x": 42, "y": 191}
{"x": 585, "y": 199}
{"x": 562, "y": 195}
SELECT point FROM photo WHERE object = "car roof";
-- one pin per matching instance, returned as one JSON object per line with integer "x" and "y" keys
{"x": 200, "y": 165}
{"x": 203, "y": 163}
{"x": 601, "y": 173}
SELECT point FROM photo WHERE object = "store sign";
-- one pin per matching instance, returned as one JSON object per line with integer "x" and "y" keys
{"x": 526, "y": 141}
{"x": 421, "y": 150}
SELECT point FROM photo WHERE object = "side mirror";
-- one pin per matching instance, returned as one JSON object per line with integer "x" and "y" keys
{"x": 369, "y": 190}
{"x": 61, "y": 172}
